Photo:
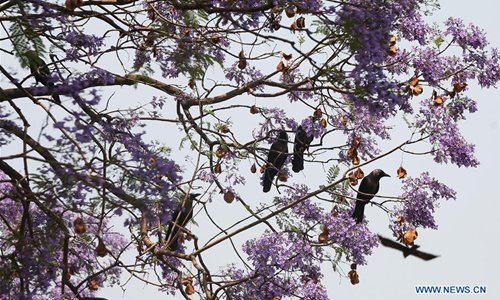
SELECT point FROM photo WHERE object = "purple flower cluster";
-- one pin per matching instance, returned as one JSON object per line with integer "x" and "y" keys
{"x": 421, "y": 196}
{"x": 445, "y": 137}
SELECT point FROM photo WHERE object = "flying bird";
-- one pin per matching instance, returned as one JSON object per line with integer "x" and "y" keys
{"x": 405, "y": 249}
{"x": 180, "y": 218}
{"x": 275, "y": 160}
{"x": 367, "y": 189}
{"x": 301, "y": 144}
{"x": 40, "y": 70}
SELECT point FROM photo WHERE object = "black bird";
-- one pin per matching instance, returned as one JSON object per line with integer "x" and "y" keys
{"x": 301, "y": 144}
{"x": 40, "y": 70}
{"x": 180, "y": 218}
{"x": 405, "y": 249}
{"x": 367, "y": 189}
{"x": 275, "y": 160}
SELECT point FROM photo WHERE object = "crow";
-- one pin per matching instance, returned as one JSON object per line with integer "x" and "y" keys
{"x": 180, "y": 218}
{"x": 367, "y": 189}
{"x": 40, "y": 70}
{"x": 275, "y": 160}
{"x": 301, "y": 144}
{"x": 405, "y": 249}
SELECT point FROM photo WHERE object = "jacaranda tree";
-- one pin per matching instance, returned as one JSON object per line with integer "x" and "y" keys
{"x": 115, "y": 113}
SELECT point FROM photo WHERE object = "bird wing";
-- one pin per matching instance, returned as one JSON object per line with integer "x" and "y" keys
{"x": 406, "y": 251}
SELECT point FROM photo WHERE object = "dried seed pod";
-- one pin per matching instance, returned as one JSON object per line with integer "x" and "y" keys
{"x": 254, "y": 110}
{"x": 401, "y": 172}
{"x": 229, "y": 196}
{"x": 318, "y": 113}
{"x": 359, "y": 174}
{"x": 392, "y": 40}
{"x": 459, "y": 86}
{"x": 101, "y": 249}
{"x": 217, "y": 169}
{"x": 354, "y": 266}
{"x": 283, "y": 176}
{"x": 72, "y": 4}
{"x": 355, "y": 160}
{"x": 410, "y": 236}
{"x": 93, "y": 285}
{"x": 220, "y": 152}
{"x": 323, "y": 237}
{"x": 438, "y": 101}
{"x": 290, "y": 12}
{"x": 191, "y": 83}
{"x": 253, "y": 168}
{"x": 79, "y": 226}
{"x": 323, "y": 123}
{"x": 413, "y": 81}
{"x": 242, "y": 63}
{"x": 287, "y": 56}
{"x": 281, "y": 67}
{"x": 215, "y": 38}
{"x": 301, "y": 22}
{"x": 392, "y": 50}
{"x": 417, "y": 90}
{"x": 353, "y": 276}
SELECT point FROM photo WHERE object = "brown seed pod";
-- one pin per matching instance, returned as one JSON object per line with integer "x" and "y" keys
{"x": 229, "y": 196}
{"x": 323, "y": 123}
{"x": 242, "y": 63}
{"x": 290, "y": 12}
{"x": 101, "y": 249}
{"x": 281, "y": 67}
{"x": 401, "y": 172}
{"x": 72, "y": 4}
{"x": 392, "y": 40}
{"x": 253, "y": 168}
{"x": 283, "y": 176}
{"x": 392, "y": 50}
{"x": 215, "y": 38}
{"x": 191, "y": 83}
{"x": 224, "y": 129}
{"x": 254, "y": 110}
{"x": 355, "y": 160}
{"x": 301, "y": 22}
{"x": 413, "y": 81}
{"x": 359, "y": 173}
{"x": 93, "y": 285}
{"x": 354, "y": 266}
{"x": 79, "y": 226}
{"x": 417, "y": 90}
{"x": 217, "y": 169}
{"x": 438, "y": 101}
{"x": 459, "y": 86}
{"x": 287, "y": 56}
{"x": 323, "y": 237}
{"x": 353, "y": 276}
{"x": 410, "y": 236}
{"x": 220, "y": 152}
{"x": 318, "y": 113}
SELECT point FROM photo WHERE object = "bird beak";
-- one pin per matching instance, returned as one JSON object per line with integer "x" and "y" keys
{"x": 386, "y": 175}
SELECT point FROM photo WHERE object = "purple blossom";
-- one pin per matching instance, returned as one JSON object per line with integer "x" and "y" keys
{"x": 421, "y": 197}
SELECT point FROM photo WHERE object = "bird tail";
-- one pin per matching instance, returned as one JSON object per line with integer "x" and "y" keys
{"x": 267, "y": 179}
{"x": 297, "y": 162}
{"x": 359, "y": 211}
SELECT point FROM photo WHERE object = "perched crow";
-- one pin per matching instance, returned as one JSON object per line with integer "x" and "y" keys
{"x": 367, "y": 189}
{"x": 275, "y": 160}
{"x": 180, "y": 218}
{"x": 405, "y": 249}
{"x": 40, "y": 71}
{"x": 301, "y": 144}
